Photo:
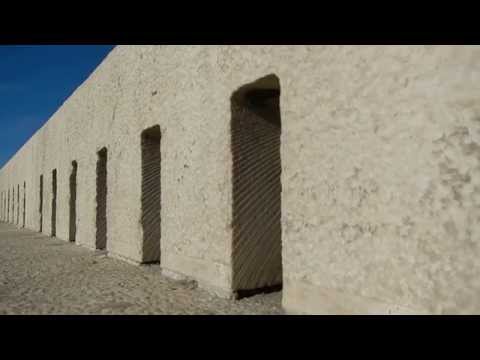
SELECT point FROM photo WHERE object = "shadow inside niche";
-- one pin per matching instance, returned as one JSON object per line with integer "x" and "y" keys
{"x": 256, "y": 188}
{"x": 241, "y": 294}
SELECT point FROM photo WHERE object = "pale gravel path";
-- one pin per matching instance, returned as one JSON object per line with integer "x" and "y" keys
{"x": 41, "y": 275}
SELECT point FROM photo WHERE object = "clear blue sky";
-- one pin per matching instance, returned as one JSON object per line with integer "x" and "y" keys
{"x": 34, "y": 83}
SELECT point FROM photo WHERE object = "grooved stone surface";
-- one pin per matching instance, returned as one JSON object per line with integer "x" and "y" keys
{"x": 41, "y": 275}
{"x": 73, "y": 203}
{"x": 151, "y": 164}
{"x": 257, "y": 229}
{"x": 101, "y": 198}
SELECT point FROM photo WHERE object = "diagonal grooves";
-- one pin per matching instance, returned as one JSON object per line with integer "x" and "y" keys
{"x": 256, "y": 182}
{"x": 151, "y": 167}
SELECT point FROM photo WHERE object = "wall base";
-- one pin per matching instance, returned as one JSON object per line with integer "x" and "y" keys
{"x": 123, "y": 258}
{"x": 301, "y": 298}
{"x": 212, "y": 289}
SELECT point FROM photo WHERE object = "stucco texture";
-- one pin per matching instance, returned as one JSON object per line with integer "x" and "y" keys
{"x": 380, "y": 151}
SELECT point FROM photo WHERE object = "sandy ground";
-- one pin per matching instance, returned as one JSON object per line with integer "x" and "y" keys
{"x": 42, "y": 275}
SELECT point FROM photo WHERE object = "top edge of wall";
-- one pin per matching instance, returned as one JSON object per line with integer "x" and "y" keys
{"x": 74, "y": 92}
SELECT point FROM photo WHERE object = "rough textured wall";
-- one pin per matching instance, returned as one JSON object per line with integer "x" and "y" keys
{"x": 380, "y": 168}
{"x": 138, "y": 87}
{"x": 381, "y": 182}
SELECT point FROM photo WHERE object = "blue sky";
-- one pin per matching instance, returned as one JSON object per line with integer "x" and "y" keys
{"x": 34, "y": 83}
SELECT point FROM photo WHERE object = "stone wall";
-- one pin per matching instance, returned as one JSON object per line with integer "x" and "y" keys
{"x": 379, "y": 152}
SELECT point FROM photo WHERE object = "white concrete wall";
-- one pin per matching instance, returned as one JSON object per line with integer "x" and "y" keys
{"x": 381, "y": 182}
{"x": 380, "y": 202}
